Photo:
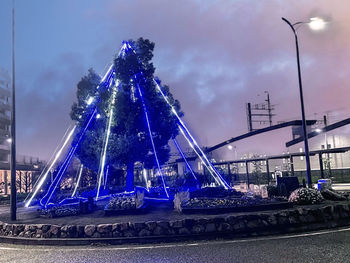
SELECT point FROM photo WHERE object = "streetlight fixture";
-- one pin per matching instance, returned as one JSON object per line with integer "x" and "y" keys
{"x": 315, "y": 23}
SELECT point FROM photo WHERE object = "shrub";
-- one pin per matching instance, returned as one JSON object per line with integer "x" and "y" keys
{"x": 306, "y": 196}
{"x": 217, "y": 192}
{"x": 332, "y": 195}
{"x": 124, "y": 201}
{"x": 212, "y": 203}
{"x": 272, "y": 190}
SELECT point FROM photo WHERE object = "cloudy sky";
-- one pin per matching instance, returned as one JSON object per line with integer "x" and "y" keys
{"x": 215, "y": 56}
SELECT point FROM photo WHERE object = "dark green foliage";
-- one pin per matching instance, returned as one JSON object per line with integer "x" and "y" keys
{"x": 132, "y": 142}
{"x": 129, "y": 141}
{"x": 87, "y": 87}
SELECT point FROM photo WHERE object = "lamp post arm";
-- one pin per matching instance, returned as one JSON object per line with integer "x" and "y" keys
{"x": 290, "y": 24}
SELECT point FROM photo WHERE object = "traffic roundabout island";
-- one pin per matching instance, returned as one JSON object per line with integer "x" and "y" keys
{"x": 124, "y": 121}
{"x": 165, "y": 225}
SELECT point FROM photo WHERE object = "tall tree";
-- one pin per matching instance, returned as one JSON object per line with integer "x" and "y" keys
{"x": 129, "y": 139}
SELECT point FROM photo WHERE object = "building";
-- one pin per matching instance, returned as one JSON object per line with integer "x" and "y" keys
{"x": 28, "y": 168}
{"x": 5, "y": 116}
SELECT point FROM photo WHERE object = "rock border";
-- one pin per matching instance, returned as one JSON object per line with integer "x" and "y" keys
{"x": 297, "y": 219}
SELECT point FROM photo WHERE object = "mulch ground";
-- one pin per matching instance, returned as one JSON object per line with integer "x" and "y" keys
{"x": 31, "y": 216}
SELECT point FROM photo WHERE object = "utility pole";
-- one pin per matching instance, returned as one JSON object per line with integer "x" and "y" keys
{"x": 260, "y": 114}
{"x": 326, "y": 146}
{"x": 249, "y": 117}
{"x": 269, "y": 107}
{"x": 13, "y": 202}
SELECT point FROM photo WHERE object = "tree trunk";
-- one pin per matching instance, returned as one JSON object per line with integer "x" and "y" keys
{"x": 130, "y": 177}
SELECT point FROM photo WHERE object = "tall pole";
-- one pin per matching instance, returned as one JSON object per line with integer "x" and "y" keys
{"x": 306, "y": 144}
{"x": 269, "y": 107}
{"x": 13, "y": 125}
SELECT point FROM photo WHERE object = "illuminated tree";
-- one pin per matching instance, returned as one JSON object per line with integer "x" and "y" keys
{"x": 129, "y": 138}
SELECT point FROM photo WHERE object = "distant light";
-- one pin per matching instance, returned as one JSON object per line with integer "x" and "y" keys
{"x": 98, "y": 116}
{"x": 318, "y": 130}
{"x": 90, "y": 100}
{"x": 317, "y": 23}
{"x": 230, "y": 147}
{"x": 9, "y": 140}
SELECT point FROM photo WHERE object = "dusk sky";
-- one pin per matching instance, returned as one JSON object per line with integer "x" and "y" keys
{"x": 214, "y": 55}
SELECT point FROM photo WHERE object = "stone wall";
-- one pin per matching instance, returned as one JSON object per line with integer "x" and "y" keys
{"x": 259, "y": 223}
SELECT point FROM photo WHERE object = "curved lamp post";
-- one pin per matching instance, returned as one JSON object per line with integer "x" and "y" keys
{"x": 315, "y": 24}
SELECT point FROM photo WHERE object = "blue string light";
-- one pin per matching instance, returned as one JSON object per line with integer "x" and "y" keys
{"x": 193, "y": 143}
{"x": 183, "y": 157}
{"x": 129, "y": 48}
{"x": 151, "y": 137}
{"x": 67, "y": 161}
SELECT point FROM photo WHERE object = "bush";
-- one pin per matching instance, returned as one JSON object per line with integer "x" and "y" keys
{"x": 332, "y": 195}
{"x": 272, "y": 190}
{"x": 125, "y": 201}
{"x": 225, "y": 203}
{"x": 61, "y": 210}
{"x": 306, "y": 196}
{"x": 217, "y": 192}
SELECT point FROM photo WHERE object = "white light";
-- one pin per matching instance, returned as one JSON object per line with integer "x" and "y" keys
{"x": 98, "y": 116}
{"x": 193, "y": 140}
{"x": 318, "y": 130}
{"x": 105, "y": 76}
{"x": 52, "y": 164}
{"x": 230, "y": 147}
{"x": 108, "y": 131}
{"x": 90, "y": 100}
{"x": 317, "y": 23}
{"x": 78, "y": 181}
{"x": 144, "y": 173}
{"x": 9, "y": 140}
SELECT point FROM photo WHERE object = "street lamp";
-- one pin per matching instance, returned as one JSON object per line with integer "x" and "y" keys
{"x": 315, "y": 23}
{"x": 13, "y": 200}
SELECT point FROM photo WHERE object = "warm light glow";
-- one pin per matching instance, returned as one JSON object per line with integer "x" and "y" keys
{"x": 317, "y": 23}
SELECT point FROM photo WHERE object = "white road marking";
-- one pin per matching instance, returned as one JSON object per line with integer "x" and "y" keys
{"x": 54, "y": 248}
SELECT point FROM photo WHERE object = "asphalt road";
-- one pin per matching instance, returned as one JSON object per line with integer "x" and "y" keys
{"x": 325, "y": 246}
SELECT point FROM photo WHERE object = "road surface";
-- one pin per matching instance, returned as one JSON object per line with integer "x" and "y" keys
{"x": 325, "y": 246}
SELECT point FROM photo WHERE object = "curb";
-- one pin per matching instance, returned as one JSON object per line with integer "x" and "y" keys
{"x": 298, "y": 219}
{"x": 169, "y": 239}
